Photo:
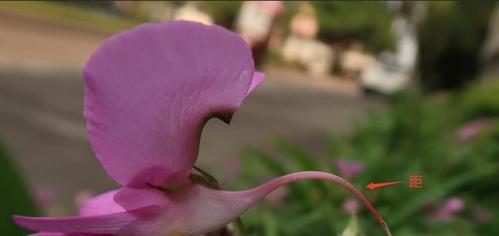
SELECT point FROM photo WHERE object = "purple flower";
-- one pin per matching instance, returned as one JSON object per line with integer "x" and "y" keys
{"x": 349, "y": 168}
{"x": 351, "y": 206}
{"x": 148, "y": 93}
{"x": 449, "y": 209}
{"x": 472, "y": 128}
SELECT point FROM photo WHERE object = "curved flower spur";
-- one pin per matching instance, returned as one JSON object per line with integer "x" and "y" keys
{"x": 148, "y": 93}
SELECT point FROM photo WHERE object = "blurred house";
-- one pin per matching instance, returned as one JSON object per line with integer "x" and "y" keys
{"x": 255, "y": 24}
{"x": 256, "y": 19}
{"x": 355, "y": 60}
{"x": 384, "y": 75}
{"x": 190, "y": 11}
{"x": 302, "y": 47}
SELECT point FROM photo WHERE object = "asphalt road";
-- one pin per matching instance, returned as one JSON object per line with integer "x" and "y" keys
{"x": 42, "y": 126}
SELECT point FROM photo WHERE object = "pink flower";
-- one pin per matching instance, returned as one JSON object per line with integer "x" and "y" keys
{"x": 472, "y": 128}
{"x": 449, "y": 209}
{"x": 351, "y": 206}
{"x": 349, "y": 168}
{"x": 148, "y": 93}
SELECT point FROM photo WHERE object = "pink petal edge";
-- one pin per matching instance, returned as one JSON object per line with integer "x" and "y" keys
{"x": 102, "y": 224}
{"x": 258, "y": 77}
{"x": 107, "y": 213}
{"x": 102, "y": 204}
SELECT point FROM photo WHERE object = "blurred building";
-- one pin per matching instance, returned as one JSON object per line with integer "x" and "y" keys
{"x": 302, "y": 47}
{"x": 354, "y": 60}
{"x": 190, "y": 11}
{"x": 255, "y": 24}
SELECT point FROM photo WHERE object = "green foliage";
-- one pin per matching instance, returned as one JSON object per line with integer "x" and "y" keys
{"x": 223, "y": 12}
{"x": 482, "y": 100}
{"x": 14, "y": 198}
{"x": 416, "y": 136}
{"x": 450, "y": 39}
{"x": 368, "y": 22}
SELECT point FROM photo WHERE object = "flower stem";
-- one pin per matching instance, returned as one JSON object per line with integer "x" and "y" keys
{"x": 264, "y": 189}
{"x": 209, "y": 181}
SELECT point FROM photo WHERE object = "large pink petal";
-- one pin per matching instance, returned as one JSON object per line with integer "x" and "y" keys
{"x": 149, "y": 90}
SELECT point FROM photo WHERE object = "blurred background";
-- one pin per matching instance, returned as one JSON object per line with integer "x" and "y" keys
{"x": 372, "y": 91}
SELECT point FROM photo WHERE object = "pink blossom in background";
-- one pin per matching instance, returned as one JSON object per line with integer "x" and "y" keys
{"x": 472, "y": 128}
{"x": 450, "y": 208}
{"x": 148, "y": 93}
{"x": 350, "y": 206}
{"x": 349, "y": 168}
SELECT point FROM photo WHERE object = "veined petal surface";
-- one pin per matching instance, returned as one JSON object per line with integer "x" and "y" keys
{"x": 105, "y": 214}
{"x": 101, "y": 205}
{"x": 149, "y": 91}
{"x": 102, "y": 224}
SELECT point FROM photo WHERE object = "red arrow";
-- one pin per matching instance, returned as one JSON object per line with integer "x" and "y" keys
{"x": 373, "y": 186}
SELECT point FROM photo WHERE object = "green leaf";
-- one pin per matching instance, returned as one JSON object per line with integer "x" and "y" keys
{"x": 14, "y": 197}
{"x": 353, "y": 228}
{"x": 270, "y": 225}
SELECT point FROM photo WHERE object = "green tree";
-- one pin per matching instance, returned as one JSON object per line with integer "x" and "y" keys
{"x": 450, "y": 39}
{"x": 368, "y": 22}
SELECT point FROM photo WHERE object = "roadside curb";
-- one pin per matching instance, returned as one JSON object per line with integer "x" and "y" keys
{"x": 40, "y": 73}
